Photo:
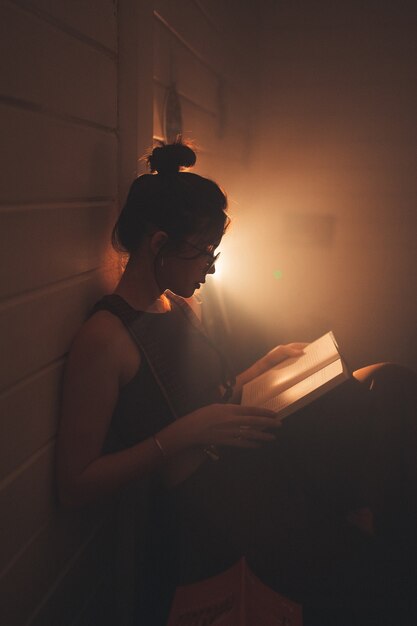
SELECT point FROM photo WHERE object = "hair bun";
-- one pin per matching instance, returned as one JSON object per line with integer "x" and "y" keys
{"x": 169, "y": 158}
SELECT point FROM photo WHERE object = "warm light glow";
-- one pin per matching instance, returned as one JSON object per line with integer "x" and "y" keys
{"x": 323, "y": 224}
{"x": 219, "y": 268}
{"x": 267, "y": 276}
{"x": 278, "y": 274}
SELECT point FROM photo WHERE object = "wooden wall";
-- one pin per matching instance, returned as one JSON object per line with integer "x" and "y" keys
{"x": 208, "y": 48}
{"x": 57, "y": 203}
{"x": 76, "y": 114}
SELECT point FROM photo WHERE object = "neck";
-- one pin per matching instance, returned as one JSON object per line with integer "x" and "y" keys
{"x": 139, "y": 287}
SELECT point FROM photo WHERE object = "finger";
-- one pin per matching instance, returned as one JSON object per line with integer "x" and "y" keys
{"x": 276, "y": 423}
{"x": 248, "y": 433}
{"x": 244, "y": 436}
{"x": 255, "y": 435}
{"x": 260, "y": 423}
{"x": 240, "y": 443}
{"x": 251, "y": 422}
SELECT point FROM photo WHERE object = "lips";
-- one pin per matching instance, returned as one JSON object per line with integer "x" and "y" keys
{"x": 198, "y": 285}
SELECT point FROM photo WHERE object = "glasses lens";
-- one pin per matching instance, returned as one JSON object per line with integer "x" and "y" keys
{"x": 212, "y": 262}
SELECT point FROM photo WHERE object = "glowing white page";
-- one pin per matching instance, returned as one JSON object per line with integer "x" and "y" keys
{"x": 316, "y": 355}
{"x": 306, "y": 387}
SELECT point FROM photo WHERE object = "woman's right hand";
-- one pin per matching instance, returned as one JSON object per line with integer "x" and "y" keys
{"x": 227, "y": 425}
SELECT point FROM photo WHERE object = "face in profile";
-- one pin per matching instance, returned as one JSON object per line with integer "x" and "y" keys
{"x": 186, "y": 271}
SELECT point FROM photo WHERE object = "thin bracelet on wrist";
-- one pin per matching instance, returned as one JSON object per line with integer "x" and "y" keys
{"x": 212, "y": 453}
{"x": 159, "y": 446}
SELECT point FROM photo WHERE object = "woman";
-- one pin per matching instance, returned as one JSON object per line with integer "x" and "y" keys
{"x": 171, "y": 225}
{"x": 145, "y": 396}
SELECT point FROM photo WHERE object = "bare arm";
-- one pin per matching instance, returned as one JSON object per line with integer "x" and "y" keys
{"x": 90, "y": 393}
{"x": 91, "y": 389}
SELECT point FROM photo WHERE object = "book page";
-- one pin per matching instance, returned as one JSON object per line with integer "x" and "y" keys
{"x": 316, "y": 355}
{"x": 305, "y": 387}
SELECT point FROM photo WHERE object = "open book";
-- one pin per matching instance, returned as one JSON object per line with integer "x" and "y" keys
{"x": 234, "y": 598}
{"x": 297, "y": 381}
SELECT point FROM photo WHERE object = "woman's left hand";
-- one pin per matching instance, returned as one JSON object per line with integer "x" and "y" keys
{"x": 280, "y": 353}
{"x": 271, "y": 358}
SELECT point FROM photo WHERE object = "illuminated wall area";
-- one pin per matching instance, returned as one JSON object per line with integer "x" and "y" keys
{"x": 336, "y": 219}
{"x": 314, "y": 141}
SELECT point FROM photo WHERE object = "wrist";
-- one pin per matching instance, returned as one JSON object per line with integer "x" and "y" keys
{"x": 173, "y": 440}
{"x": 160, "y": 447}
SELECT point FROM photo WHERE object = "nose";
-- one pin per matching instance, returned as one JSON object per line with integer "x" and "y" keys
{"x": 212, "y": 269}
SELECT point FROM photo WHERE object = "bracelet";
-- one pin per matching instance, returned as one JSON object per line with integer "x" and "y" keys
{"x": 212, "y": 453}
{"x": 159, "y": 446}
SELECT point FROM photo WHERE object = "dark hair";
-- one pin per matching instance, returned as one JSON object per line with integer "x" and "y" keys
{"x": 177, "y": 202}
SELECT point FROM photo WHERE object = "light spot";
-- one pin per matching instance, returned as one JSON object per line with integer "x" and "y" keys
{"x": 277, "y": 274}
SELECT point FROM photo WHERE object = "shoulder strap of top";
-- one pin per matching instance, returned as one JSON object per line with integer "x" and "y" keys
{"x": 118, "y": 306}
{"x": 228, "y": 378}
{"x": 143, "y": 328}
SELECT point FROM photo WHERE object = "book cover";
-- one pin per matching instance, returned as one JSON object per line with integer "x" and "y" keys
{"x": 235, "y": 597}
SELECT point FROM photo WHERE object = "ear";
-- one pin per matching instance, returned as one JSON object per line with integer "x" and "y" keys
{"x": 158, "y": 240}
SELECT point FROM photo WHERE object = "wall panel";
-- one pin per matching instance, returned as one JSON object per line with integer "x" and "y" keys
{"x": 238, "y": 22}
{"x": 79, "y": 580}
{"x": 204, "y": 49}
{"x": 188, "y": 23}
{"x": 29, "y": 416}
{"x": 35, "y": 570}
{"x": 26, "y": 502}
{"x": 95, "y": 19}
{"x": 38, "y": 329}
{"x": 218, "y": 50}
{"x": 61, "y": 240}
{"x": 58, "y": 190}
{"x": 53, "y": 159}
{"x": 62, "y": 74}
{"x": 175, "y": 63}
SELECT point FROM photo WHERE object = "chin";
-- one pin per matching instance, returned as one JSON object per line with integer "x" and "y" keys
{"x": 184, "y": 292}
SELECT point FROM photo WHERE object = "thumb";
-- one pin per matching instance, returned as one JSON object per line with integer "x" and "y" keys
{"x": 295, "y": 351}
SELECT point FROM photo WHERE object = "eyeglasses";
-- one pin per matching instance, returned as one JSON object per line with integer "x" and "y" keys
{"x": 212, "y": 257}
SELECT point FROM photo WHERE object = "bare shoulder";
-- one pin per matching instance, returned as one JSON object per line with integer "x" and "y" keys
{"x": 104, "y": 342}
{"x": 101, "y": 332}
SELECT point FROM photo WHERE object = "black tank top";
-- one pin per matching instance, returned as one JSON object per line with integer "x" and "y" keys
{"x": 192, "y": 363}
